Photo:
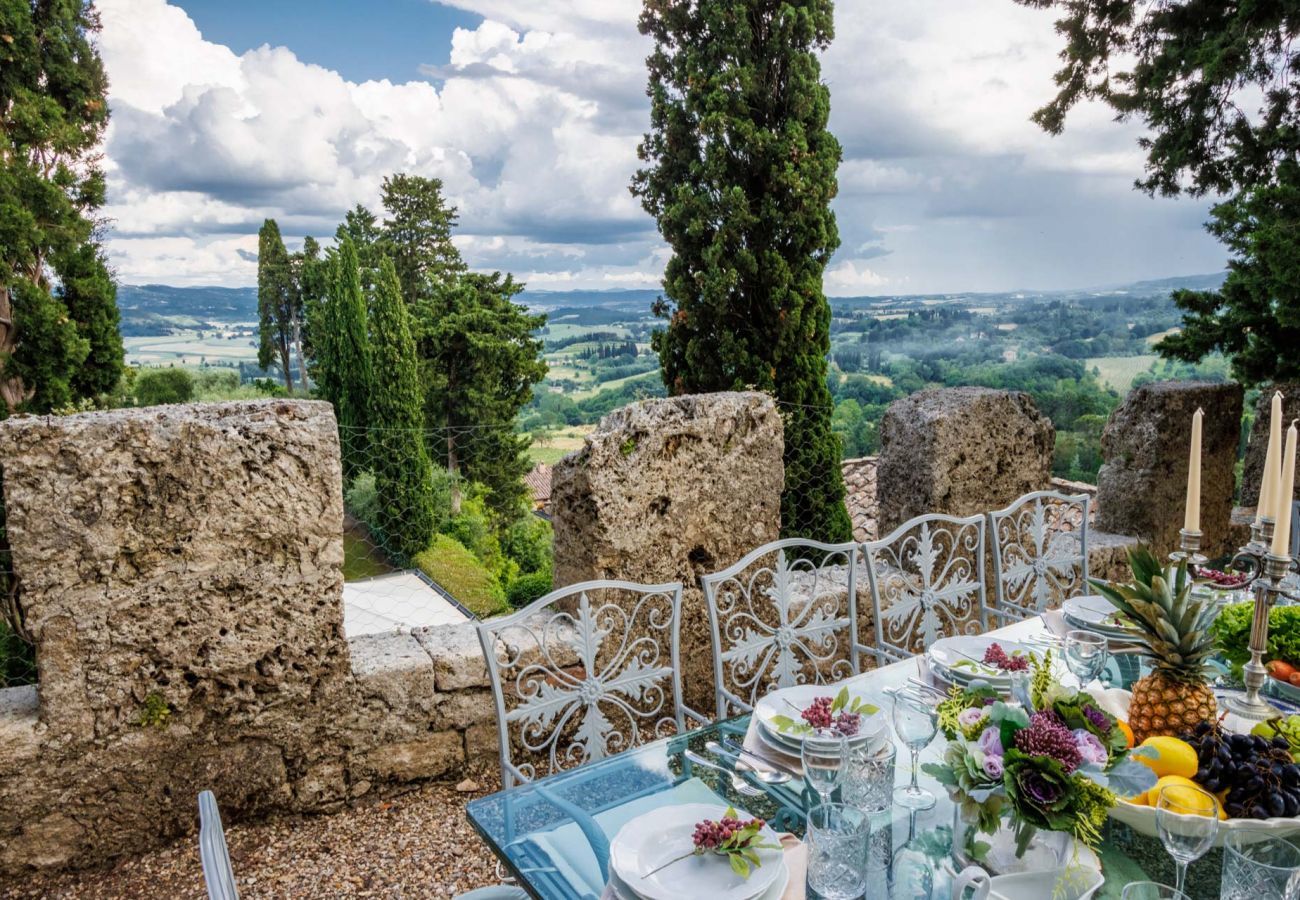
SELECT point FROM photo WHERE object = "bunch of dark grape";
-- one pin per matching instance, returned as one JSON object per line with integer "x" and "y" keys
{"x": 1259, "y": 774}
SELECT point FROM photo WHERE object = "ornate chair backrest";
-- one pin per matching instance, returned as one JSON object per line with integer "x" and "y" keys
{"x": 1040, "y": 553}
{"x": 927, "y": 582}
{"x": 583, "y": 673}
{"x": 783, "y": 615}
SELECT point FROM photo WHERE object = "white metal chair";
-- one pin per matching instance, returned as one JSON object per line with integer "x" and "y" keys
{"x": 927, "y": 582}
{"x": 217, "y": 874}
{"x": 785, "y": 614}
{"x": 1039, "y": 546}
{"x": 587, "y": 680}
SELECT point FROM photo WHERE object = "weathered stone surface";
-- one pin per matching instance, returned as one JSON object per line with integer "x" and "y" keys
{"x": 960, "y": 451}
{"x": 430, "y": 757}
{"x": 395, "y": 669}
{"x": 1252, "y": 472}
{"x": 1142, "y": 486}
{"x": 1108, "y": 556}
{"x": 457, "y": 655}
{"x": 860, "y": 496}
{"x": 668, "y": 490}
{"x": 482, "y": 742}
{"x": 188, "y": 552}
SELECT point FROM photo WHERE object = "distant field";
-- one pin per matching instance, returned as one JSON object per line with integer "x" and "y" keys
{"x": 1118, "y": 372}
{"x": 185, "y": 348}
{"x": 1153, "y": 339}
{"x": 559, "y": 330}
{"x": 613, "y": 385}
{"x": 551, "y": 446}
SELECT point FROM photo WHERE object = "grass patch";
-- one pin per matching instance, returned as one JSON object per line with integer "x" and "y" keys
{"x": 361, "y": 559}
{"x": 1153, "y": 339}
{"x": 461, "y": 574}
{"x": 552, "y": 446}
{"x": 1118, "y": 372}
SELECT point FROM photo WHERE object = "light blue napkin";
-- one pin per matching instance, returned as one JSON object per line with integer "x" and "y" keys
{"x": 570, "y": 852}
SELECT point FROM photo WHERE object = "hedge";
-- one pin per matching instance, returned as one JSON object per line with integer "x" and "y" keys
{"x": 461, "y": 574}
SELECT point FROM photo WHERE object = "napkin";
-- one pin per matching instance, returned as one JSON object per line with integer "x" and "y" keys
{"x": 1054, "y": 619}
{"x": 756, "y": 746}
{"x": 570, "y": 852}
{"x": 796, "y": 860}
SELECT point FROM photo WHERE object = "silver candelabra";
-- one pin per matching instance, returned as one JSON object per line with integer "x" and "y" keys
{"x": 1267, "y": 571}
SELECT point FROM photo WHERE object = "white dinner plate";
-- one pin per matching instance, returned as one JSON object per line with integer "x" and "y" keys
{"x": 1097, "y": 614}
{"x": 650, "y": 840}
{"x": 959, "y": 657}
{"x": 775, "y": 892}
{"x": 789, "y": 701}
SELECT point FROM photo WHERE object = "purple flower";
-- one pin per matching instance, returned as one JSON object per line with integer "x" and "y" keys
{"x": 970, "y": 717}
{"x": 1039, "y": 789}
{"x": 1097, "y": 718}
{"x": 991, "y": 743}
{"x": 1047, "y": 736}
{"x": 1090, "y": 748}
{"x": 993, "y": 766}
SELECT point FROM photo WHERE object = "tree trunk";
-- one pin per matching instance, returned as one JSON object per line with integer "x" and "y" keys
{"x": 297, "y": 344}
{"x": 286, "y": 365}
{"x": 12, "y": 390}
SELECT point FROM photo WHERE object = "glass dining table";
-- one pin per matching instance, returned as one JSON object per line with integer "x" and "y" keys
{"x": 553, "y": 834}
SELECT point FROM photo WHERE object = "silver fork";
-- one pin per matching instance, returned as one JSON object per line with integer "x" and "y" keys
{"x": 738, "y": 784}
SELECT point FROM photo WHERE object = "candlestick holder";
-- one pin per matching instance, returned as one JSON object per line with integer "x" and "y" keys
{"x": 1269, "y": 570}
{"x": 1189, "y": 548}
{"x": 1261, "y": 536}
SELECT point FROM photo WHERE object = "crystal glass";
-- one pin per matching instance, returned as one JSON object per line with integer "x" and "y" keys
{"x": 869, "y": 783}
{"x": 837, "y": 840}
{"x": 915, "y": 720}
{"x": 825, "y": 756}
{"x": 1188, "y": 820}
{"x": 1086, "y": 654}
{"x": 1260, "y": 867}
{"x": 1150, "y": 890}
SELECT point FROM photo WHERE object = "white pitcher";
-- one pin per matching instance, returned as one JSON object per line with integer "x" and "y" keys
{"x": 1024, "y": 885}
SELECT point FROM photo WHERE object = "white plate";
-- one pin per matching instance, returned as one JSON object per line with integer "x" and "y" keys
{"x": 1094, "y": 614}
{"x": 788, "y": 702}
{"x": 775, "y": 892}
{"x": 650, "y": 840}
{"x": 959, "y": 658}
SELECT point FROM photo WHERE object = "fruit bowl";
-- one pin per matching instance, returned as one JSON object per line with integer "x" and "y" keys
{"x": 1142, "y": 819}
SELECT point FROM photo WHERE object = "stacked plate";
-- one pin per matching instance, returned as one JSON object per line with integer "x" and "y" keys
{"x": 641, "y": 858}
{"x": 959, "y": 660}
{"x": 1097, "y": 614}
{"x": 779, "y": 720}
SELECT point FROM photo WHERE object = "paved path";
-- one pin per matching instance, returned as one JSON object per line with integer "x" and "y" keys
{"x": 388, "y": 602}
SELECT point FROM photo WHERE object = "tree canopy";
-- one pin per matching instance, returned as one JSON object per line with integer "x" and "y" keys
{"x": 740, "y": 171}
{"x": 277, "y": 302}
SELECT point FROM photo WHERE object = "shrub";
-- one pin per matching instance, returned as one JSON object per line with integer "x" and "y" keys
{"x": 217, "y": 384}
{"x": 527, "y": 588}
{"x": 457, "y": 570}
{"x": 155, "y": 386}
{"x": 362, "y": 500}
{"x": 529, "y": 542}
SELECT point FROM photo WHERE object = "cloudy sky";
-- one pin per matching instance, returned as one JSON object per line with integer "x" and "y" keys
{"x": 229, "y": 111}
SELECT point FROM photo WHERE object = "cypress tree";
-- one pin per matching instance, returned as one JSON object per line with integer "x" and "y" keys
{"x": 88, "y": 293}
{"x": 403, "y": 473}
{"x": 348, "y": 373}
{"x": 740, "y": 174}
{"x": 276, "y": 302}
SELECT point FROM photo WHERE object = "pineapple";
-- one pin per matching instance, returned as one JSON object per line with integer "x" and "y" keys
{"x": 1175, "y": 637}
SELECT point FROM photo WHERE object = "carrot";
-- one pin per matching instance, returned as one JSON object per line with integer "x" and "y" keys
{"x": 1282, "y": 671}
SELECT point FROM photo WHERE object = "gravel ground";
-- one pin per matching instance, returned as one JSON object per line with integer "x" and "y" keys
{"x": 417, "y": 845}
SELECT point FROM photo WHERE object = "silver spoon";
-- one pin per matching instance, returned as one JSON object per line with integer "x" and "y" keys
{"x": 737, "y": 783}
{"x": 757, "y": 774}
{"x": 735, "y": 747}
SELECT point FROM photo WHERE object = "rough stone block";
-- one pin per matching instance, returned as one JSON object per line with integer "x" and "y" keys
{"x": 1252, "y": 470}
{"x": 430, "y": 757}
{"x": 481, "y": 743}
{"x": 668, "y": 490}
{"x": 183, "y": 551}
{"x": 960, "y": 451}
{"x": 457, "y": 655}
{"x": 1142, "y": 486}
{"x": 1108, "y": 557}
{"x": 395, "y": 669}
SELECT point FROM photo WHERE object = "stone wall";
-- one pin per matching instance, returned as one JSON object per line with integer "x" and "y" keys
{"x": 1142, "y": 486}
{"x": 960, "y": 451}
{"x": 180, "y": 572}
{"x": 668, "y": 490}
{"x": 860, "y": 496}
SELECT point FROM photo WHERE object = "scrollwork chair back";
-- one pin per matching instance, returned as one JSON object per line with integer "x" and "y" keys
{"x": 927, "y": 582}
{"x": 579, "y": 682}
{"x": 783, "y": 615}
{"x": 1040, "y": 553}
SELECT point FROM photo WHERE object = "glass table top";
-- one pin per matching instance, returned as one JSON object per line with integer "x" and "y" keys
{"x": 534, "y": 830}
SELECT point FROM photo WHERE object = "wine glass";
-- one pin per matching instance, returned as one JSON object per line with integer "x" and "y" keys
{"x": 1150, "y": 890}
{"x": 825, "y": 755}
{"x": 1086, "y": 654}
{"x": 1188, "y": 820}
{"x": 916, "y": 720}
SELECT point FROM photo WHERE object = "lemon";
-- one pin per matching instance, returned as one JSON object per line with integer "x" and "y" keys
{"x": 1174, "y": 781}
{"x": 1139, "y": 800}
{"x": 1175, "y": 757}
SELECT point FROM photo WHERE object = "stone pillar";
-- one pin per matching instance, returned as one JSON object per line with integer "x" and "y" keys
{"x": 960, "y": 451}
{"x": 1142, "y": 486}
{"x": 1253, "y": 468}
{"x": 177, "y": 552}
{"x": 668, "y": 490}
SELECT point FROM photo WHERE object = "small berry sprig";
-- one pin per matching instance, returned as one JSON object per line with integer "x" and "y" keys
{"x": 841, "y": 714}
{"x": 739, "y": 841}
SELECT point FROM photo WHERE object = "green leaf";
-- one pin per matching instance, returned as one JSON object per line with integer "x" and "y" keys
{"x": 841, "y": 700}
{"x": 730, "y": 813}
{"x": 738, "y": 865}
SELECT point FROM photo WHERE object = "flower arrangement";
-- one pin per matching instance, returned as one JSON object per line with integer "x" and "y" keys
{"x": 729, "y": 837}
{"x": 841, "y": 715}
{"x": 1056, "y": 763}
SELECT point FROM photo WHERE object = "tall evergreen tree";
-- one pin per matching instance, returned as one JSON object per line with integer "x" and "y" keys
{"x": 416, "y": 235}
{"x": 360, "y": 225}
{"x": 403, "y": 473}
{"x": 310, "y": 275}
{"x": 54, "y": 342}
{"x": 480, "y": 364}
{"x": 740, "y": 174}
{"x": 349, "y": 374}
{"x": 277, "y": 302}
{"x": 1214, "y": 82}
